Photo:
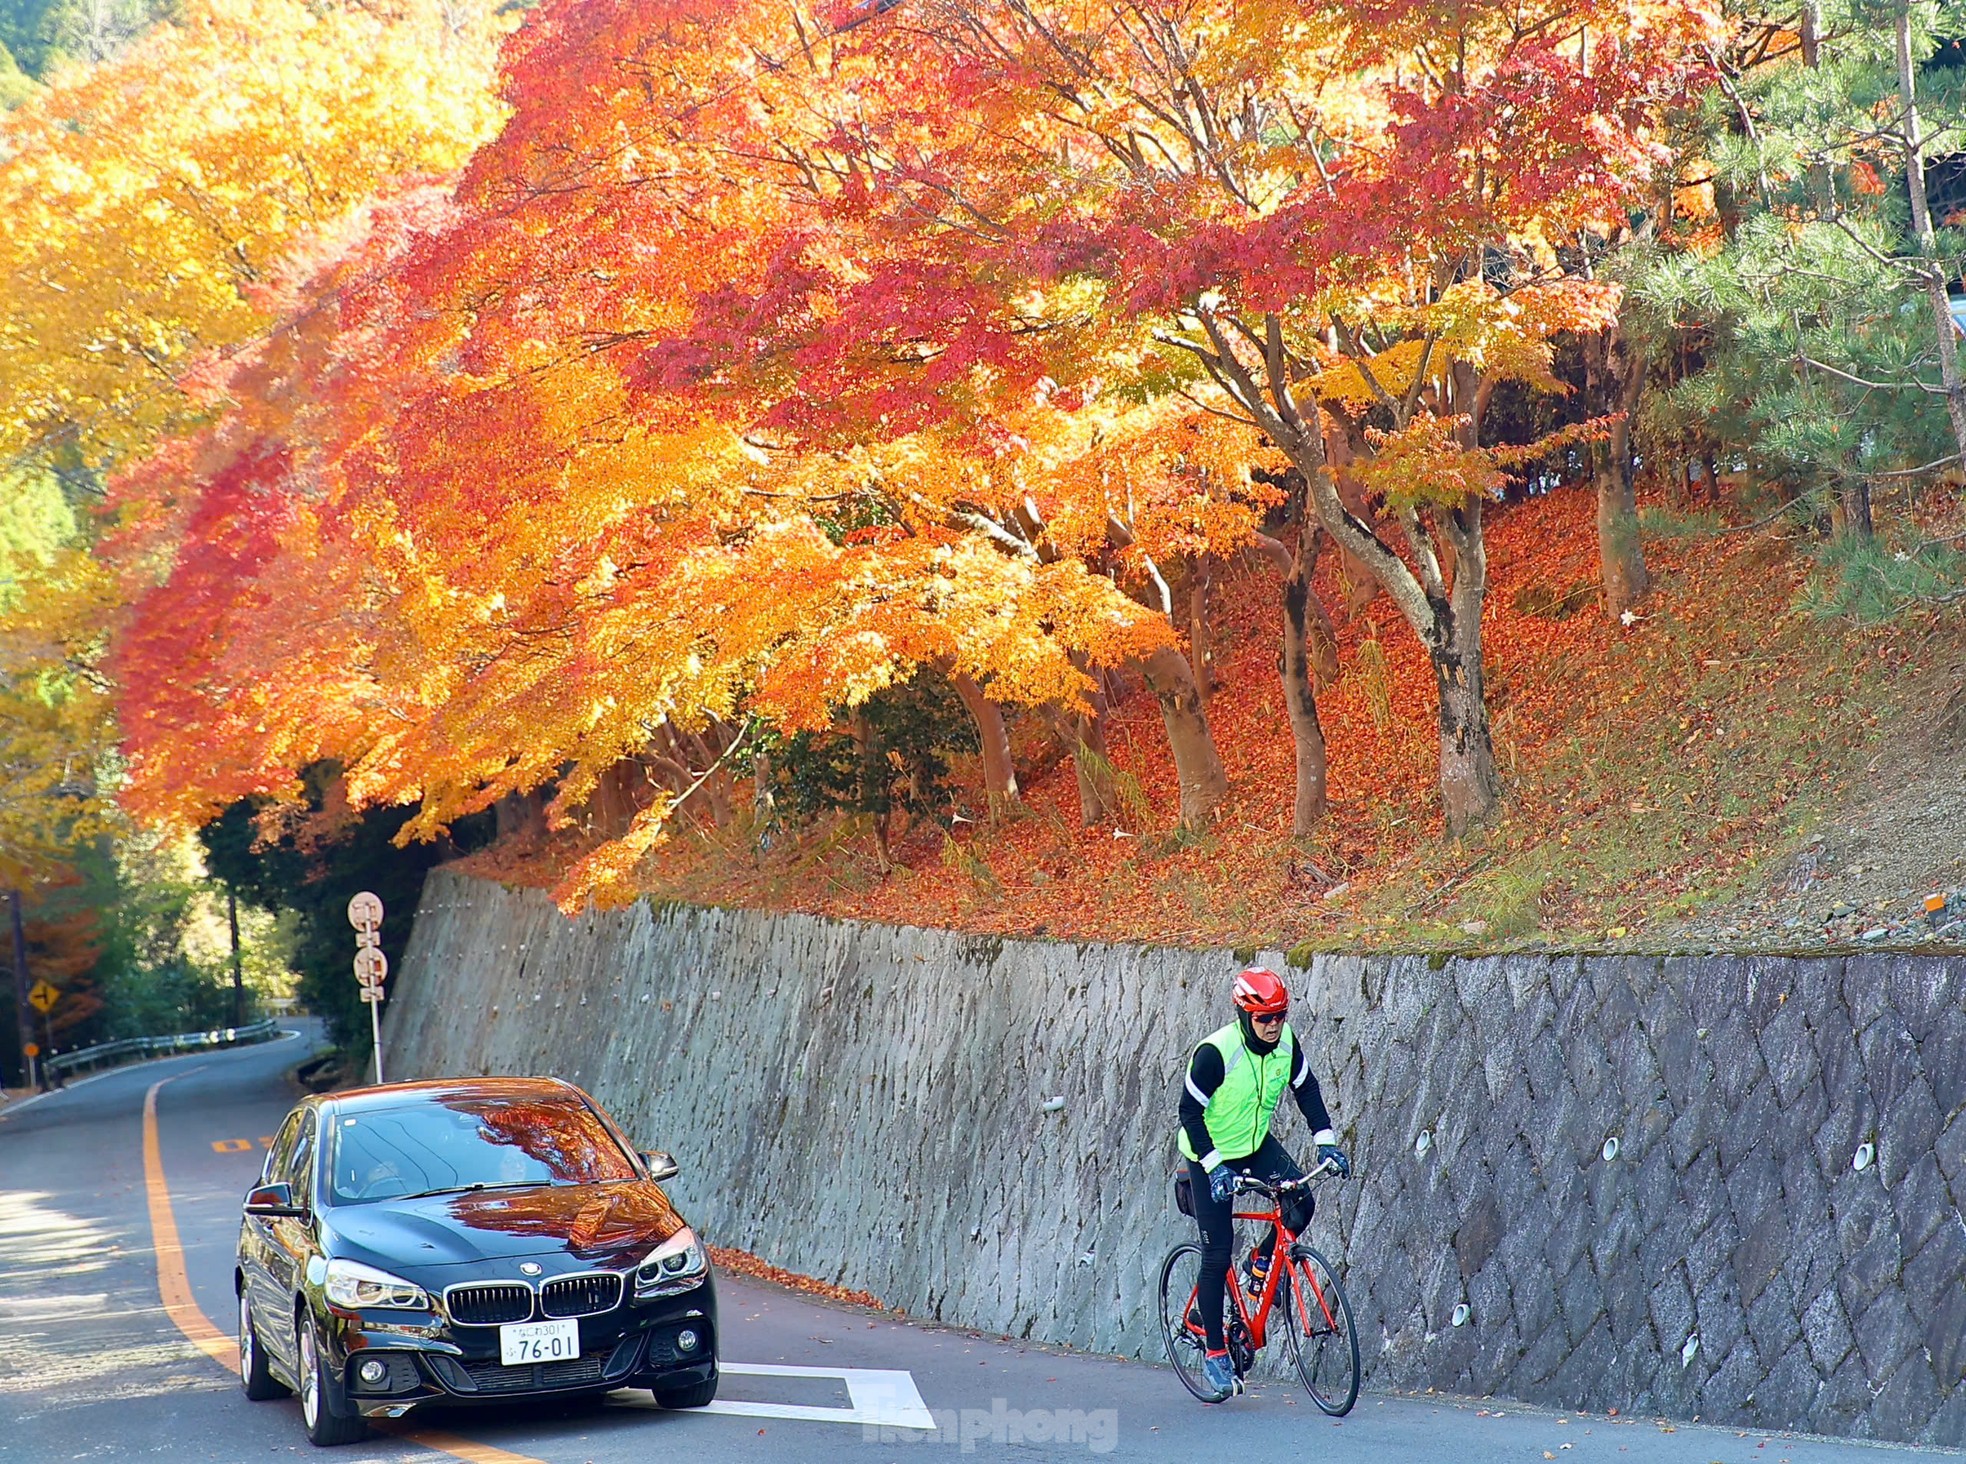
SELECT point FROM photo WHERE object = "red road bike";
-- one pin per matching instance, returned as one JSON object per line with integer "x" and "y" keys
{"x": 1303, "y": 1297}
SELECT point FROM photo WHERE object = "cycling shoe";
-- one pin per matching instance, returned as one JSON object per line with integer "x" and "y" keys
{"x": 1220, "y": 1374}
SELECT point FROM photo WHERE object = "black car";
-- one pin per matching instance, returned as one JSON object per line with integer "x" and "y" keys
{"x": 462, "y": 1241}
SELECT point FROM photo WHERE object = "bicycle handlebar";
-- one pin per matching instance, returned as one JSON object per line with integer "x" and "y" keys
{"x": 1250, "y": 1184}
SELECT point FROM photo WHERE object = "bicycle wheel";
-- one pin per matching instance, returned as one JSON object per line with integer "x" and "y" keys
{"x": 1180, "y": 1319}
{"x": 1323, "y": 1341}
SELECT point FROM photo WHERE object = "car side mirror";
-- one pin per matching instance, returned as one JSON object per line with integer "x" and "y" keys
{"x": 273, "y": 1200}
{"x": 661, "y": 1166}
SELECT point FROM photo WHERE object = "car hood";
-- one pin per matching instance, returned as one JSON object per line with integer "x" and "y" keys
{"x": 606, "y": 1226}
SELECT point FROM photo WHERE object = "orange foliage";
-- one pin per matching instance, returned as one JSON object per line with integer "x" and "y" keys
{"x": 1569, "y": 692}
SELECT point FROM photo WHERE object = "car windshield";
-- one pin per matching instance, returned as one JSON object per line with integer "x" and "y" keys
{"x": 455, "y": 1145}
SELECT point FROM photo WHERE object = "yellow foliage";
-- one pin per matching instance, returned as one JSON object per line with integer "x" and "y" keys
{"x": 144, "y": 203}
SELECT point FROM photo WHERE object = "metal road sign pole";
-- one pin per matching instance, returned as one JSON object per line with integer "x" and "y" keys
{"x": 365, "y": 914}
{"x": 375, "y": 1029}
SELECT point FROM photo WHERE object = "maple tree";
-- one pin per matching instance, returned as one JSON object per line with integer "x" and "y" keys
{"x": 1239, "y": 181}
{"x": 769, "y": 360}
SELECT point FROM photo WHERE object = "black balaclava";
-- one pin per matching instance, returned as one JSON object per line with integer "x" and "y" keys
{"x": 1249, "y": 1038}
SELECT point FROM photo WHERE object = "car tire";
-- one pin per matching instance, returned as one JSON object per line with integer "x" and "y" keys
{"x": 696, "y": 1395}
{"x": 325, "y": 1427}
{"x": 254, "y": 1376}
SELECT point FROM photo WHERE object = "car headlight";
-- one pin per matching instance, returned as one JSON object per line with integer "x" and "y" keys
{"x": 676, "y": 1265}
{"x": 355, "y": 1287}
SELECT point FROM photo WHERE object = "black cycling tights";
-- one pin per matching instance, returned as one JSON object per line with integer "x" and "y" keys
{"x": 1271, "y": 1162}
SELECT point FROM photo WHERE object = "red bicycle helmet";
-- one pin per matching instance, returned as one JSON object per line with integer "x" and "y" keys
{"x": 1261, "y": 993}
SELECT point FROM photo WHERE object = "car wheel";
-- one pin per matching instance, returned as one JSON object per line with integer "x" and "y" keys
{"x": 259, "y": 1383}
{"x": 697, "y": 1395}
{"x": 325, "y": 1427}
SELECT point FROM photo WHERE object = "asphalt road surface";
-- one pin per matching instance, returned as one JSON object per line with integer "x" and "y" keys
{"x": 116, "y": 1309}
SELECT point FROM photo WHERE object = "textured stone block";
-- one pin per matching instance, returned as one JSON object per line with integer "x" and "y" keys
{"x": 1885, "y": 1331}
{"x": 1718, "y": 1319}
{"x": 1754, "y": 1187}
{"x": 1944, "y": 1329}
{"x": 1583, "y": 1372}
{"x": 1788, "y": 1391}
{"x": 1908, "y": 1400}
{"x": 1670, "y": 1305}
{"x": 1922, "y": 1203}
{"x": 1866, "y": 994}
{"x": 1737, "y": 1066}
{"x": 1789, "y": 1055}
{"x": 1683, "y": 1062}
{"x": 1479, "y": 1233}
{"x": 1908, "y": 1130}
{"x": 1759, "y": 1259}
{"x": 1826, "y": 1330}
{"x": 1731, "y": 1386}
{"x": 1580, "y": 1300}
{"x": 1849, "y": 1124}
{"x": 1942, "y": 1054}
{"x": 1772, "y": 1318}
{"x": 1947, "y": 1426}
{"x": 1921, "y": 992}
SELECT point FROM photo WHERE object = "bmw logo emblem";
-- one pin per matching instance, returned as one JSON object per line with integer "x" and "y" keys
{"x": 529, "y": 1268}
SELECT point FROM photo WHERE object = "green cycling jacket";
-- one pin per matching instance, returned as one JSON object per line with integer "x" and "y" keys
{"x": 1238, "y": 1113}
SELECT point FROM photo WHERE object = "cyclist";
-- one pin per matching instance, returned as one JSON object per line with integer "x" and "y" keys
{"x": 1236, "y": 1079}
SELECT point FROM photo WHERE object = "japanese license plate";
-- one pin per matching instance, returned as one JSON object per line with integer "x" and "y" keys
{"x": 521, "y": 1343}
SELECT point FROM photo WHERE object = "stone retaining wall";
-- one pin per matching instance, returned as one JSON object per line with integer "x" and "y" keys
{"x": 870, "y": 1105}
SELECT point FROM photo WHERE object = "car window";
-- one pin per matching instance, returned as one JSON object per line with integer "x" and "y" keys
{"x": 303, "y": 1162}
{"x": 456, "y": 1143}
{"x": 275, "y": 1169}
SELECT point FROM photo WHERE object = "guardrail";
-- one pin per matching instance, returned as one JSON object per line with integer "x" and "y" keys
{"x": 135, "y": 1049}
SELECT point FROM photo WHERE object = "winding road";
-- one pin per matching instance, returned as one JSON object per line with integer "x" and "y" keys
{"x": 119, "y": 1207}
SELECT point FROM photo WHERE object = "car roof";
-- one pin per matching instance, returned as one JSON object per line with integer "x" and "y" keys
{"x": 393, "y": 1095}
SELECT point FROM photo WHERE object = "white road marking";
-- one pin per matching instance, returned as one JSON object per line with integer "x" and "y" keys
{"x": 880, "y": 1397}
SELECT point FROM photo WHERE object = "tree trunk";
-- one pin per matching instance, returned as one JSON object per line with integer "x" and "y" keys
{"x": 1085, "y": 734}
{"x": 1198, "y": 587}
{"x": 1196, "y": 763}
{"x": 238, "y": 968}
{"x": 1098, "y": 798}
{"x": 999, "y": 772}
{"x": 1300, "y": 700}
{"x": 1448, "y": 623}
{"x": 1360, "y": 585}
{"x": 1620, "y": 548}
{"x": 1470, "y": 789}
{"x": 1307, "y": 659}
{"x": 1849, "y": 514}
{"x": 519, "y": 815}
{"x": 874, "y": 799}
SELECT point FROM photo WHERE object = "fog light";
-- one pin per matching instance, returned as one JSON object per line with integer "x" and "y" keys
{"x": 373, "y": 1371}
{"x": 687, "y": 1339}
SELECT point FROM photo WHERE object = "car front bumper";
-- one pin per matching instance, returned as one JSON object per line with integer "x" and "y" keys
{"x": 429, "y": 1359}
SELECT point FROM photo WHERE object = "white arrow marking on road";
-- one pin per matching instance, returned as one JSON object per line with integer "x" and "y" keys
{"x": 881, "y": 1397}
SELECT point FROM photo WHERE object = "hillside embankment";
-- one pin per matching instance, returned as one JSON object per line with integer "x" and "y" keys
{"x": 980, "y": 1130}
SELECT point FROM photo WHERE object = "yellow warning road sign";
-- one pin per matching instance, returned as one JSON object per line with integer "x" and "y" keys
{"x": 43, "y": 997}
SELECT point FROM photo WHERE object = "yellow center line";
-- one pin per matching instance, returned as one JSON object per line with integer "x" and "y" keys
{"x": 174, "y": 1284}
